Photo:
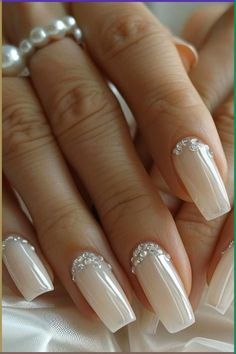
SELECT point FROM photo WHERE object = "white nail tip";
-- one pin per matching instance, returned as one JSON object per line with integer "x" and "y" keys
{"x": 96, "y": 281}
{"x": 221, "y": 289}
{"x": 195, "y": 165}
{"x": 26, "y": 269}
{"x": 162, "y": 286}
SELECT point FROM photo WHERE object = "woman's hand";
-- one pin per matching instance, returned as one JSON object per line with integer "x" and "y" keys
{"x": 211, "y": 32}
{"x": 65, "y": 124}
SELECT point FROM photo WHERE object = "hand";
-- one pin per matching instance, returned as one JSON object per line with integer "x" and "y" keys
{"x": 211, "y": 32}
{"x": 89, "y": 136}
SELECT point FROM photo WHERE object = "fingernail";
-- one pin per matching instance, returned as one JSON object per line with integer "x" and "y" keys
{"x": 188, "y": 50}
{"x": 221, "y": 289}
{"x": 149, "y": 322}
{"x": 25, "y": 267}
{"x": 196, "y": 168}
{"x": 162, "y": 286}
{"x": 96, "y": 281}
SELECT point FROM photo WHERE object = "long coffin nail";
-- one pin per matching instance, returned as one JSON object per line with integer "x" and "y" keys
{"x": 196, "y": 167}
{"x": 221, "y": 289}
{"x": 25, "y": 267}
{"x": 162, "y": 286}
{"x": 97, "y": 283}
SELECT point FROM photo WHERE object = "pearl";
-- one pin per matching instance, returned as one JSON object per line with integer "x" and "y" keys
{"x": 12, "y": 61}
{"x": 38, "y": 37}
{"x": 78, "y": 35}
{"x": 70, "y": 23}
{"x": 56, "y": 29}
{"x": 26, "y": 48}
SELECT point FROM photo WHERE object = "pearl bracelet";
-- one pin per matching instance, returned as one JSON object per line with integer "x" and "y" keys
{"x": 14, "y": 59}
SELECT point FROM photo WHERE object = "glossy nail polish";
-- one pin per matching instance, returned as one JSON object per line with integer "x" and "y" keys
{"x": 96, "y": 281}
{"x": 25, "y": 267}
{"x": 196, "y": 168}
{"x": 162, "y": 286}
{"x": 221, "y": 289}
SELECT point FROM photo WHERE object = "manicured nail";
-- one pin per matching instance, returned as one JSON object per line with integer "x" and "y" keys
{"x": 97, "y": 283}
{"x": 221, "y": 289}
{"x": 162, "y": 286}
{"x": 149, "y": 322}
{"x": 188, "y": 50}
{"x": 196, "y": 168}
{"x": 26, "y": 269}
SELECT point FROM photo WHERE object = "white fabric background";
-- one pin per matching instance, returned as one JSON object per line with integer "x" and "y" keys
{"x": 51, "y": 323}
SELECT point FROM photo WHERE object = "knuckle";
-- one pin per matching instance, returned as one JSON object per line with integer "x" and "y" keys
{"x": 24, "y": 129}
{"x": 169, "y": 101}
{"x": 121, "y": 31}
{"x": 83, "y": 112}
{"x": 119, "y": 204}
{"x": 62, "y": 221}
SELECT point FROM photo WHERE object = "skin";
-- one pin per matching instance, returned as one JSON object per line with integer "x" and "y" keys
{"x": 39, "y": 124}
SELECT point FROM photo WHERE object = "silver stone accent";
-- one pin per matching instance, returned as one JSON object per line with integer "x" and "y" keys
{"x": 56, "y": 29}
{"x": 146, "y": 249}
{"x": 39, "y": 37}
{"x": 230, "y": 245}
{"x": 191, "y": 143}
{"x": 87, "y": 259}
{"x": 15, "y": 238}
{"x": 26, "y": 48}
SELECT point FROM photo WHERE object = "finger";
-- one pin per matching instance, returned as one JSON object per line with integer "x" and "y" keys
{"x": 139, "y": 56}
{"x": 85, "y": 118}
{"x": 199, "y": 236}
{"x": 200, "y": 23}
{"x": 21, "y": 252}
{"x": 35, "y": 167}
{"x": 221, "y": 271}
{"x": 214, "y": 74}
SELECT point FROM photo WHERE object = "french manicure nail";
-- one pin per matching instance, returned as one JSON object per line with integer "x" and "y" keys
{"x": 221, "y": 289}
{"x": 195, "y": 165}
{"x": 162, "y": 286}
{"x": 24, "y": 266}
{"x": 96, "y": 281}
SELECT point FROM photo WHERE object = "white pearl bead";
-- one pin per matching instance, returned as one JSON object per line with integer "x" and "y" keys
{"x": 12, "y": 61}
{"x": 38, "y": 37}
{"x": 70, "y": 23}
{"x": 26, "y": 48}
{"x": 78, "y": 35}
{"x": 56, "y": 29}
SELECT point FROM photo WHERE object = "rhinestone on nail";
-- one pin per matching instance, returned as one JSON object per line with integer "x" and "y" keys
{"x": 15, "y": 238}
{"x": 191, "y": 143}
{"x": 230, "y": 245}
{"x": 87, "y": 259}
{"x": 146, "y": 249}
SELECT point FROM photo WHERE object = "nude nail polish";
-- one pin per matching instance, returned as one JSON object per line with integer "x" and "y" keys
{"x": 162, "y": 285}
{"x": 195, "y": 165}
{"x": 96, "y": 281}
{"x": 26, "y": 269}
{"x": 221, "y": 289}
{"x": 188, "y": 50}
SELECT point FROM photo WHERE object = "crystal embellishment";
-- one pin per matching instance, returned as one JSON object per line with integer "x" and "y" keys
{"x": 147, "y": 249}
{"x": 88, "y": 259}
{"x": 191, "y": 143}
{"x": 230, "y": 245}
{"x": 15, "y": 238}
